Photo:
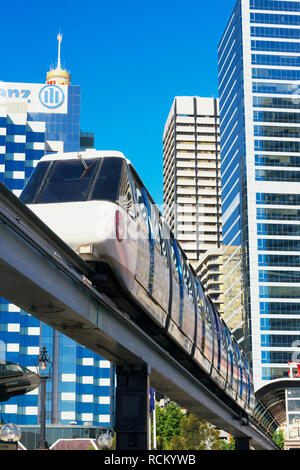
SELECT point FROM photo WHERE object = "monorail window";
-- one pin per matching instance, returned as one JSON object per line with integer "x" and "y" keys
{"x": 187, "y": 280}
{"x": 223, "y": 336}
{"x": 248, "y": 379}
{"x": 230, "y": 357}
{"x": 111, "y": 182}
{"x": 200, "y": 299}
{"x": 155, "y": 225}
{"x": 208, "y": 315}
{"x": 60, "y": 181}
{"x": 34, "y": 183}
{"x": 141, "y": 204}
{"x": 240, "y": 370}
{"x": 175, "y": 264}
{"x": 163, "y": 242}
{"x": 200, "y": 313}
{"x": 68, "y": 181}
{"x": 209, "y": 332}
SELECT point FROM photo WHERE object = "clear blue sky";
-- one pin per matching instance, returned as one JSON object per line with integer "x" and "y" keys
{"x": 130, "y": 57}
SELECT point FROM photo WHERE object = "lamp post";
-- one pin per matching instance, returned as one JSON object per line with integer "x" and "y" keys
{"x": 11, "y": 434}
{"x": 42, "y": 361}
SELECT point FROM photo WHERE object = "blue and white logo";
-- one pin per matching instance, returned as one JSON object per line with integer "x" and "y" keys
{"x": 51, "y": 96}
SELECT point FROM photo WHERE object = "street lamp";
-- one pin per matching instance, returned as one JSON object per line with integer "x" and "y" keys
{"x": 10, "y": 433}
{"x": 43, "y": 361}
{"x": 105, "y": 441}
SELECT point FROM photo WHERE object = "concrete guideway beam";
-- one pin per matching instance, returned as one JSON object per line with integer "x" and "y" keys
{"x": 37, "y": 285}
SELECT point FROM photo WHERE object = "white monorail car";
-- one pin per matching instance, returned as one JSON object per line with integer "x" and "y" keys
{"x": 96, "y": 202}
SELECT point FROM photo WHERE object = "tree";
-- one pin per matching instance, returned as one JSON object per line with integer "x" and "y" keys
{"x": 278, "y": 437}
{"x": 176, "y": 430}
{"x": 227, "y": 445}
{"x": 196, "y": 434}
{"x": 178, "y": 443}
{"x": 161, "y": 443}
{"x": 167, "y": 424}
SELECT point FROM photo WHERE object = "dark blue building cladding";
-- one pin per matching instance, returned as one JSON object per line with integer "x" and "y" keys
{"x": 76, "y": 391}
{"x": 273, "y": 68}
{"x": 19, "y": 154}
{"x": 21, "y": 148}
{"x": 275, "y": 5}
{"x": 234, "y": 178}
{"x": 232, "y": 126}
{"x": 63, "y": 127}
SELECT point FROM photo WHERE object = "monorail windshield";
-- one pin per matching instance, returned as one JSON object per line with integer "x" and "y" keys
{"x": 60, "y": 181}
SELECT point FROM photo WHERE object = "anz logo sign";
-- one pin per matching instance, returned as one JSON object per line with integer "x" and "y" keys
{"x": 51, "y": 96}
{"x": 14, "y": 93}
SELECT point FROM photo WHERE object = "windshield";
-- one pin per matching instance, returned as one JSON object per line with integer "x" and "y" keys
{"x": 67, "y": 181}
{"x": 62, "y": 181}
{"x": 34, "y": 183}
{"x": 9, "y": 368}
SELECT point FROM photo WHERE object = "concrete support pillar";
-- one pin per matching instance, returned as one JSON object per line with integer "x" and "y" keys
{"x": 132, "y": 408}
{"x": 242, "y": 443}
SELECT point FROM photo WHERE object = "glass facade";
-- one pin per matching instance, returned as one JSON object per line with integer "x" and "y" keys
{"x": 63, "y": 127}
{"x": 81, "y": 381}
{"x": 292, "y": 400}
{"x": 259, "y": 87}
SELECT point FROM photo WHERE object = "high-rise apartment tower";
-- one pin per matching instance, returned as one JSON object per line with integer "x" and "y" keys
{"x": 191, "y": 175}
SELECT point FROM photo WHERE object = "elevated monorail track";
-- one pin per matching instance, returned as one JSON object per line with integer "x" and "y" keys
{"x": 40, "y": 274}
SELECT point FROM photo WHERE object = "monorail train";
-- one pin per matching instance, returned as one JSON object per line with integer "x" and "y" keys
{"x": 16, "y": 380}
{"x": 96, "y": 202}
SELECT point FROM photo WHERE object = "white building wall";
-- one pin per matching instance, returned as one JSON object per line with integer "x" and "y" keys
{"x": 190, "y": 173}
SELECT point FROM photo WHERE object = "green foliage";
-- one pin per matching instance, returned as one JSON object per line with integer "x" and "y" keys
{"x": 278, "y": 437}
{"x": 177, "y": 443}
{"x": 196, "y": 434}
{"x": 114, "y": 442}
{"x": 227, "y": 445}
{"x": 167, "y": 424}
{"x": 161, "y": 443}
{"x": 177, "y": 431}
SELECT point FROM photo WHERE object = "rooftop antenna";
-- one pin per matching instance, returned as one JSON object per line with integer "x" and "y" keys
{"x": 59, "y": 38}
{"x": 58, "y": 75}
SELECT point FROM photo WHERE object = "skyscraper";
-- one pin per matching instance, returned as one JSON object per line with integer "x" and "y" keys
{"x": 192, "y": 186}
{"x": 36, "y": 119}
{"x": 191, "y": 178}
{"x": 259, "y": 92}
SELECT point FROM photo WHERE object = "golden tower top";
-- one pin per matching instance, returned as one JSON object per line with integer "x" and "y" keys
{"x": 58, "y": 75}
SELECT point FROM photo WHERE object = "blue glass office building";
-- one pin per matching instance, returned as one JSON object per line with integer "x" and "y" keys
{"x": 36, "y": 119}
{"x": 259, "y": 90}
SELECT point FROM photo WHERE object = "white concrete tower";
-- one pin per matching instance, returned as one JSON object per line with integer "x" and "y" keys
{"x": 192, "y": 204}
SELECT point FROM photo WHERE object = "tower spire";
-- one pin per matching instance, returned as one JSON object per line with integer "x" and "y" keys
{"x": 58, "y": 75}
{"x": 59, "y": 38}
